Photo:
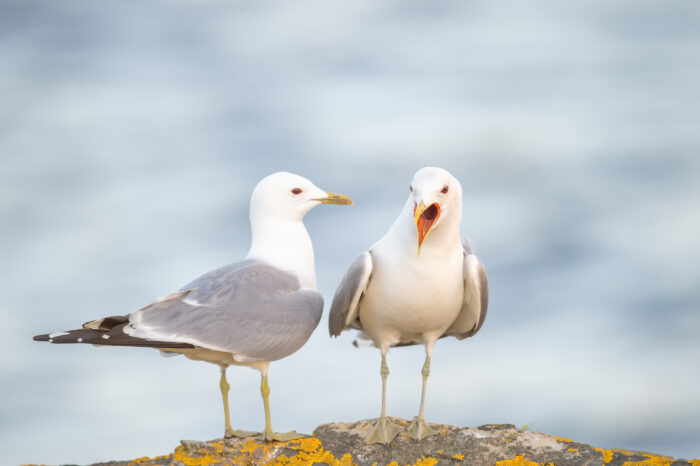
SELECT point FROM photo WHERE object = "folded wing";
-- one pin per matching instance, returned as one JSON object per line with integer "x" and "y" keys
{"x": 476, "y": 298}
{"x": 346, "y": 301}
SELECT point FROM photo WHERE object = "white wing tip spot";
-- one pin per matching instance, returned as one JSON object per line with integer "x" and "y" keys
{"x": 105, "y": 336}
{"x": 192, "y": 302}
{"x": 80, "y": 340}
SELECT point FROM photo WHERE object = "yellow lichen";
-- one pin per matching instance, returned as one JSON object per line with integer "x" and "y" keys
{"x": 517, "y": 461}
{"x": 426, "y": 462}
{"x": 607, "y": 455}
{"x": 694, "y": 462}
{"x": 562, "y": 439}
{"x": 458, "y": 456}
{"x": 311, "y": 451}
{"x": 202, "y": 459}
{"x": 653, "y": 461}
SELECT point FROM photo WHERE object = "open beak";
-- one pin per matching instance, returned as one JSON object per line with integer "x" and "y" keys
{"x": 333, "y": 198}
{"x": 425, "y": 218}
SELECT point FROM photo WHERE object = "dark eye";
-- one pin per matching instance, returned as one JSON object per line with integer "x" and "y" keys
{"x": 445, "y": 189}
{"x": 411, "y": 188}
{"x": 296, "y": 191}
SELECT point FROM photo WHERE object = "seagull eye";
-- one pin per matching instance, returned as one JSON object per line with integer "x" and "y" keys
{"x": 445, "y": 189}
{"x": 410, "y": 187}
{"x": 296, "y": 191}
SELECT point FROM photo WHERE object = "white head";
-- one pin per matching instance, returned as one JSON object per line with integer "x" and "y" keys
{"x": 277, "y": 206}
{"x": 286, "y": 196}
{"x": 437, "y": 200}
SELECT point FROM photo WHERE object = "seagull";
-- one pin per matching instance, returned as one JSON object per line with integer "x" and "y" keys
{"x": 415, "y": 285}
{"x": 248, "y": 313}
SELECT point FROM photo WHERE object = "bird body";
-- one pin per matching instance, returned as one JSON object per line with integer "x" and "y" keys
{"x": 397, "y": 295}
{"x": 248, "y": 313}
{"x": 398, "y": 311}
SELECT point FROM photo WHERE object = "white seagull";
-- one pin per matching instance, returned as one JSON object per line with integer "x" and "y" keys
{"x": 409, "y": 289}
{"x": 248, "y": 313}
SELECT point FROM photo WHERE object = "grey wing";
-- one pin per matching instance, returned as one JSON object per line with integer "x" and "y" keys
{"x": 249, "y": 309}
{"x": 346, "y": 301}
{"x": 476, "y": 298}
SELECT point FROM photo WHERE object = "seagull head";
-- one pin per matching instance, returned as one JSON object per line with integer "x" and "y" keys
{"x": 436, "y": 196}
{"x": 287, "y": 196}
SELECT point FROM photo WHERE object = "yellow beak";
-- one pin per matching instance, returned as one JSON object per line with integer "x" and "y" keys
{"x": 424, "y": 225}
{"x": 418, "y": 211}
{"x": 333, "y": 198}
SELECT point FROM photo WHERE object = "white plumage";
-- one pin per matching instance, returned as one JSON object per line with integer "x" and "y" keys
{"x": 417, "y": 284}
{"x": 248, "y": 313}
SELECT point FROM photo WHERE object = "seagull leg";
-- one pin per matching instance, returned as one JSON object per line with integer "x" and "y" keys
{"x": 268, "y": 433}
{"x": 229, "y": 432}
{"x": 385, "y": 430}
{"x": 419, "y": 429}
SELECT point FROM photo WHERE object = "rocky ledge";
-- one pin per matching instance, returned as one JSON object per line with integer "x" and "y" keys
{"x": 343, "y": 444}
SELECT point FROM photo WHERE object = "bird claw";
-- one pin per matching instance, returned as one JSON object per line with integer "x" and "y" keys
{"x": 270, "y": 436}
{"x": 384, "y": 432}
{"x": 239, "y": 433}
{"x": 419, "y": 429}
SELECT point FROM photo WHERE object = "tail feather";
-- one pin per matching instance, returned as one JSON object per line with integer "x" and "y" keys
{"x": 114, "y": 336}
{"x": 106, "y": 323}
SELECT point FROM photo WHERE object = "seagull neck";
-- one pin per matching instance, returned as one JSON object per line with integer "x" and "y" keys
{"x": 284, "y": 244}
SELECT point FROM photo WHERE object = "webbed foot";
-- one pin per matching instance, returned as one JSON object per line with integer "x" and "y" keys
{"x": 270, "y": 436}
{"x": 384, "y": 432}
{"x": 230, "y": 433}
{"x": 419, "y": 429}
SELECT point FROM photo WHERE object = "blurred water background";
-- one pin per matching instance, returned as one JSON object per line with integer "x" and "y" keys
{"x": 131, "y": 134}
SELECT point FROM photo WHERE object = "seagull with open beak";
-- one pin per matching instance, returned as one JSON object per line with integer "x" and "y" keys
{"x": 415, "y": 285}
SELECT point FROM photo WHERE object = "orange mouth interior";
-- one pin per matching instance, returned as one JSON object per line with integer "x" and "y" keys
{"x": 426, "y": 221}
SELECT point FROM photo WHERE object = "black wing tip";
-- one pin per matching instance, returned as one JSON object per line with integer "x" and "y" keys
{"x": 44, "y": 337}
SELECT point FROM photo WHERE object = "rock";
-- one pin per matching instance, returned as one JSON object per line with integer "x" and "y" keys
{"x": 343, "y": 444}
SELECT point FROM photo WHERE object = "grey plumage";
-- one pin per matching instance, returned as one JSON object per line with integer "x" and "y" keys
{"x": 249, "y": 308}
{"x": 345, "y": 305}
{"x": 476, "y": 299}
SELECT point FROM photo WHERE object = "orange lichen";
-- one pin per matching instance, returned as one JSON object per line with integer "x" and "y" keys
{"x": 653, "y": 461}
{"x": 311, "y": 451}
{"x": 147, "y": 459}
{"x": 203, "y": 457}
{"x": 426, "y": 462}
{"x": 607, "y": 455}
{"x": 517, "y": 461}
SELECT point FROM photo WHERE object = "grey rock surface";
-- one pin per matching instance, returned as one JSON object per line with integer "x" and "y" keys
{"x": 343, "y": 444}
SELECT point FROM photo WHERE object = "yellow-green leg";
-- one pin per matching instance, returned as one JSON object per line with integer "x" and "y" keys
{"x": 268, "y": 433}
{"x": 419, "y": 429}
{"x": 229, "y": 432}
{"x": 384, "y": 430}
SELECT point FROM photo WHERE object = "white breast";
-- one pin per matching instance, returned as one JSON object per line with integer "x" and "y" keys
{"x": 411, "y": 298}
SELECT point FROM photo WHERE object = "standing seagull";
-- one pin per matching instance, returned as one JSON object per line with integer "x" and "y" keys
{"x": 398, "y": 295}
{"x": 248, "y": 313}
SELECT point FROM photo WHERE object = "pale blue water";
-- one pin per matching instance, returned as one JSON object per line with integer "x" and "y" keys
{"x": 132, "y": 133}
